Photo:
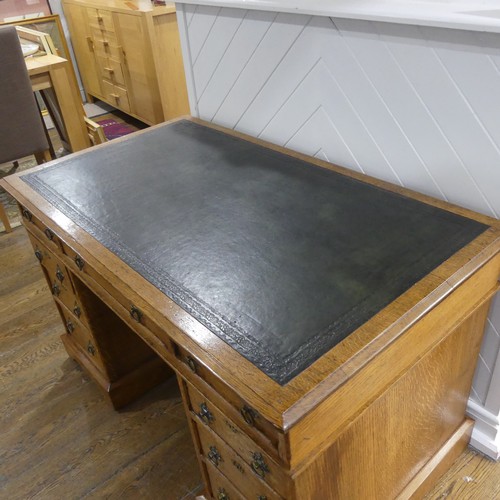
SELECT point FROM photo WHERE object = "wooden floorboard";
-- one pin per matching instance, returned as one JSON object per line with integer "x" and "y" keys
{"x": 60, "y": 437}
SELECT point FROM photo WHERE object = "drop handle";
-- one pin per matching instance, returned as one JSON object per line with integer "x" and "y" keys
{"x": 214, "y": 456}
{"x": 70, "y": 326}
{"x": 91, "y": 349}
{"x": 79, "y": 262}
{"x": 39, "y": 255}
{"x": 77, "y": 311}
{"x": 136, "y": 314}
{"x": 49, "y": 234}
{"x": 222, "y": 495}
{"x": 259, "y": 466}
{"x": 205, "y": 414}
{"x": 59, "y": 274}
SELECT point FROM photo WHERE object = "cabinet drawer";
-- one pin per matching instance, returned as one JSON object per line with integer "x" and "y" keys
{"x": 100, "y": 35}
{"x": 111, "y": 70}
{"x": 116, "y": 95}
{"x": 247, "y": 478}
{"x": 101, "y": 18}
{"x": 221, "y": 487}
{"x": 107, "y": 49}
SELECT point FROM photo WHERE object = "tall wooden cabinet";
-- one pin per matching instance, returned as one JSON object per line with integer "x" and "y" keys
{"x": 129, "y": 57}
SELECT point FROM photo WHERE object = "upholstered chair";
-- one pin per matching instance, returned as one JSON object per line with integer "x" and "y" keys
{"x": 21, "y": 128}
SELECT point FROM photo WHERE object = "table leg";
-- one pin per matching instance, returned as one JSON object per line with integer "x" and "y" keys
{"x": 71, "y": 107}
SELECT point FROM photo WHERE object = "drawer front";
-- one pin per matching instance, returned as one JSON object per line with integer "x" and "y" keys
{"x": 107, "y": 49}
{"x": 231, "y": 404}
{"x": 116, "y": 95}
{"x": 55, "y": 271}
{"x": 111, "y": 70}
{"x": 101, "y": 18}
{"x": 207, "y": 413}
{"x": 135, "y": 317}
{"x": 37, "y": 227}
{"x": 98, "y": 34}
{"x": 221, "y": 487}
{"x": 73, "y": 305}
{"x": 81, "y": 336}
{"x": 234, "y": 467}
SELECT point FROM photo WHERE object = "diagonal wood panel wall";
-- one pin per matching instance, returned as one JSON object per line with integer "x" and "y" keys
{"x": 415, "y": 106}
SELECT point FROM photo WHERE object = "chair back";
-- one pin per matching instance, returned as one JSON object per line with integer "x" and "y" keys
{"x": 21, "y": 128}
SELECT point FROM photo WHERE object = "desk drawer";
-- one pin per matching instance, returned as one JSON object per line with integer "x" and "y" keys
{"x": 55, "y": 271}
{"x": 232, "y": 405}
{"x": 37, "y": 227}
{"x": 81, "y": 336}
{"x": 221, "y": 487}
{"x": 234, "y": 467}
{"x": 208, "y": 414}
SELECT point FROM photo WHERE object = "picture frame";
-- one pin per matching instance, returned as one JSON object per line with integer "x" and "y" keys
{"x": 52, "y": 26}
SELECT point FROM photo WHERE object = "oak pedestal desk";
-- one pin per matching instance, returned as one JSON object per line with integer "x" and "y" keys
{"x": 323, "y": 325}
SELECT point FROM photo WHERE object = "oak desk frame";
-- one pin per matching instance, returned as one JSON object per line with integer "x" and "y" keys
{"x": 380, "y": 415}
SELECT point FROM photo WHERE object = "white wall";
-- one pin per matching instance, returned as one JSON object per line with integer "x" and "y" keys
{"x": 412, "y": 105}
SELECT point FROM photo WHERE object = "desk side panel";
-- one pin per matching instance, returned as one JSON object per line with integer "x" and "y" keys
{"x": 402, "y": 430}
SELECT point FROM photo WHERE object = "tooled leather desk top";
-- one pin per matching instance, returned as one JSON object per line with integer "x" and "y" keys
{"x": 280, "y": 258}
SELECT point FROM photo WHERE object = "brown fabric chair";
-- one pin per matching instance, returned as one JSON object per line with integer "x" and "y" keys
{"x": 21, "y": 129}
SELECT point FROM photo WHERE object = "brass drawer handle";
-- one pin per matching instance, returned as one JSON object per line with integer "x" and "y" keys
{"x": 136, "y": 314}
{"x": 79, "y": 262}
{"x": 49, "y": 234}
{"x": 91, "y": 349}
{"x": 205, "y": 414}
{"x": 248, "y": 414}
{"x": 55, "y": 289}
{"x": 262, "y": 497}
{"x": 214, "y": 456}
{"x": 192, "y": 364}
{"x": 77, "y": 311}
{"x": 70, "y": 326}
{"x": 258, "y": 465}
{"x": 222, "y": 495}
{"x": 27, "y": 215}
{"x": 39, "y": 255}
{"x": 59, "y": 274}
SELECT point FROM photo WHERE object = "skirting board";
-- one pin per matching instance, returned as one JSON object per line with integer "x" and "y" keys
{"x": 486, "y": 433}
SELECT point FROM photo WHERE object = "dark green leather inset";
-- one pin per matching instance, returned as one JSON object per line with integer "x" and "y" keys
{"x": 279, "y": 258}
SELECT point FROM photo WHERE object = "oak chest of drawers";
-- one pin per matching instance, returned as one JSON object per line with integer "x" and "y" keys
{"x": 129, "y": 57}
{"x": 373, "y": 408}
